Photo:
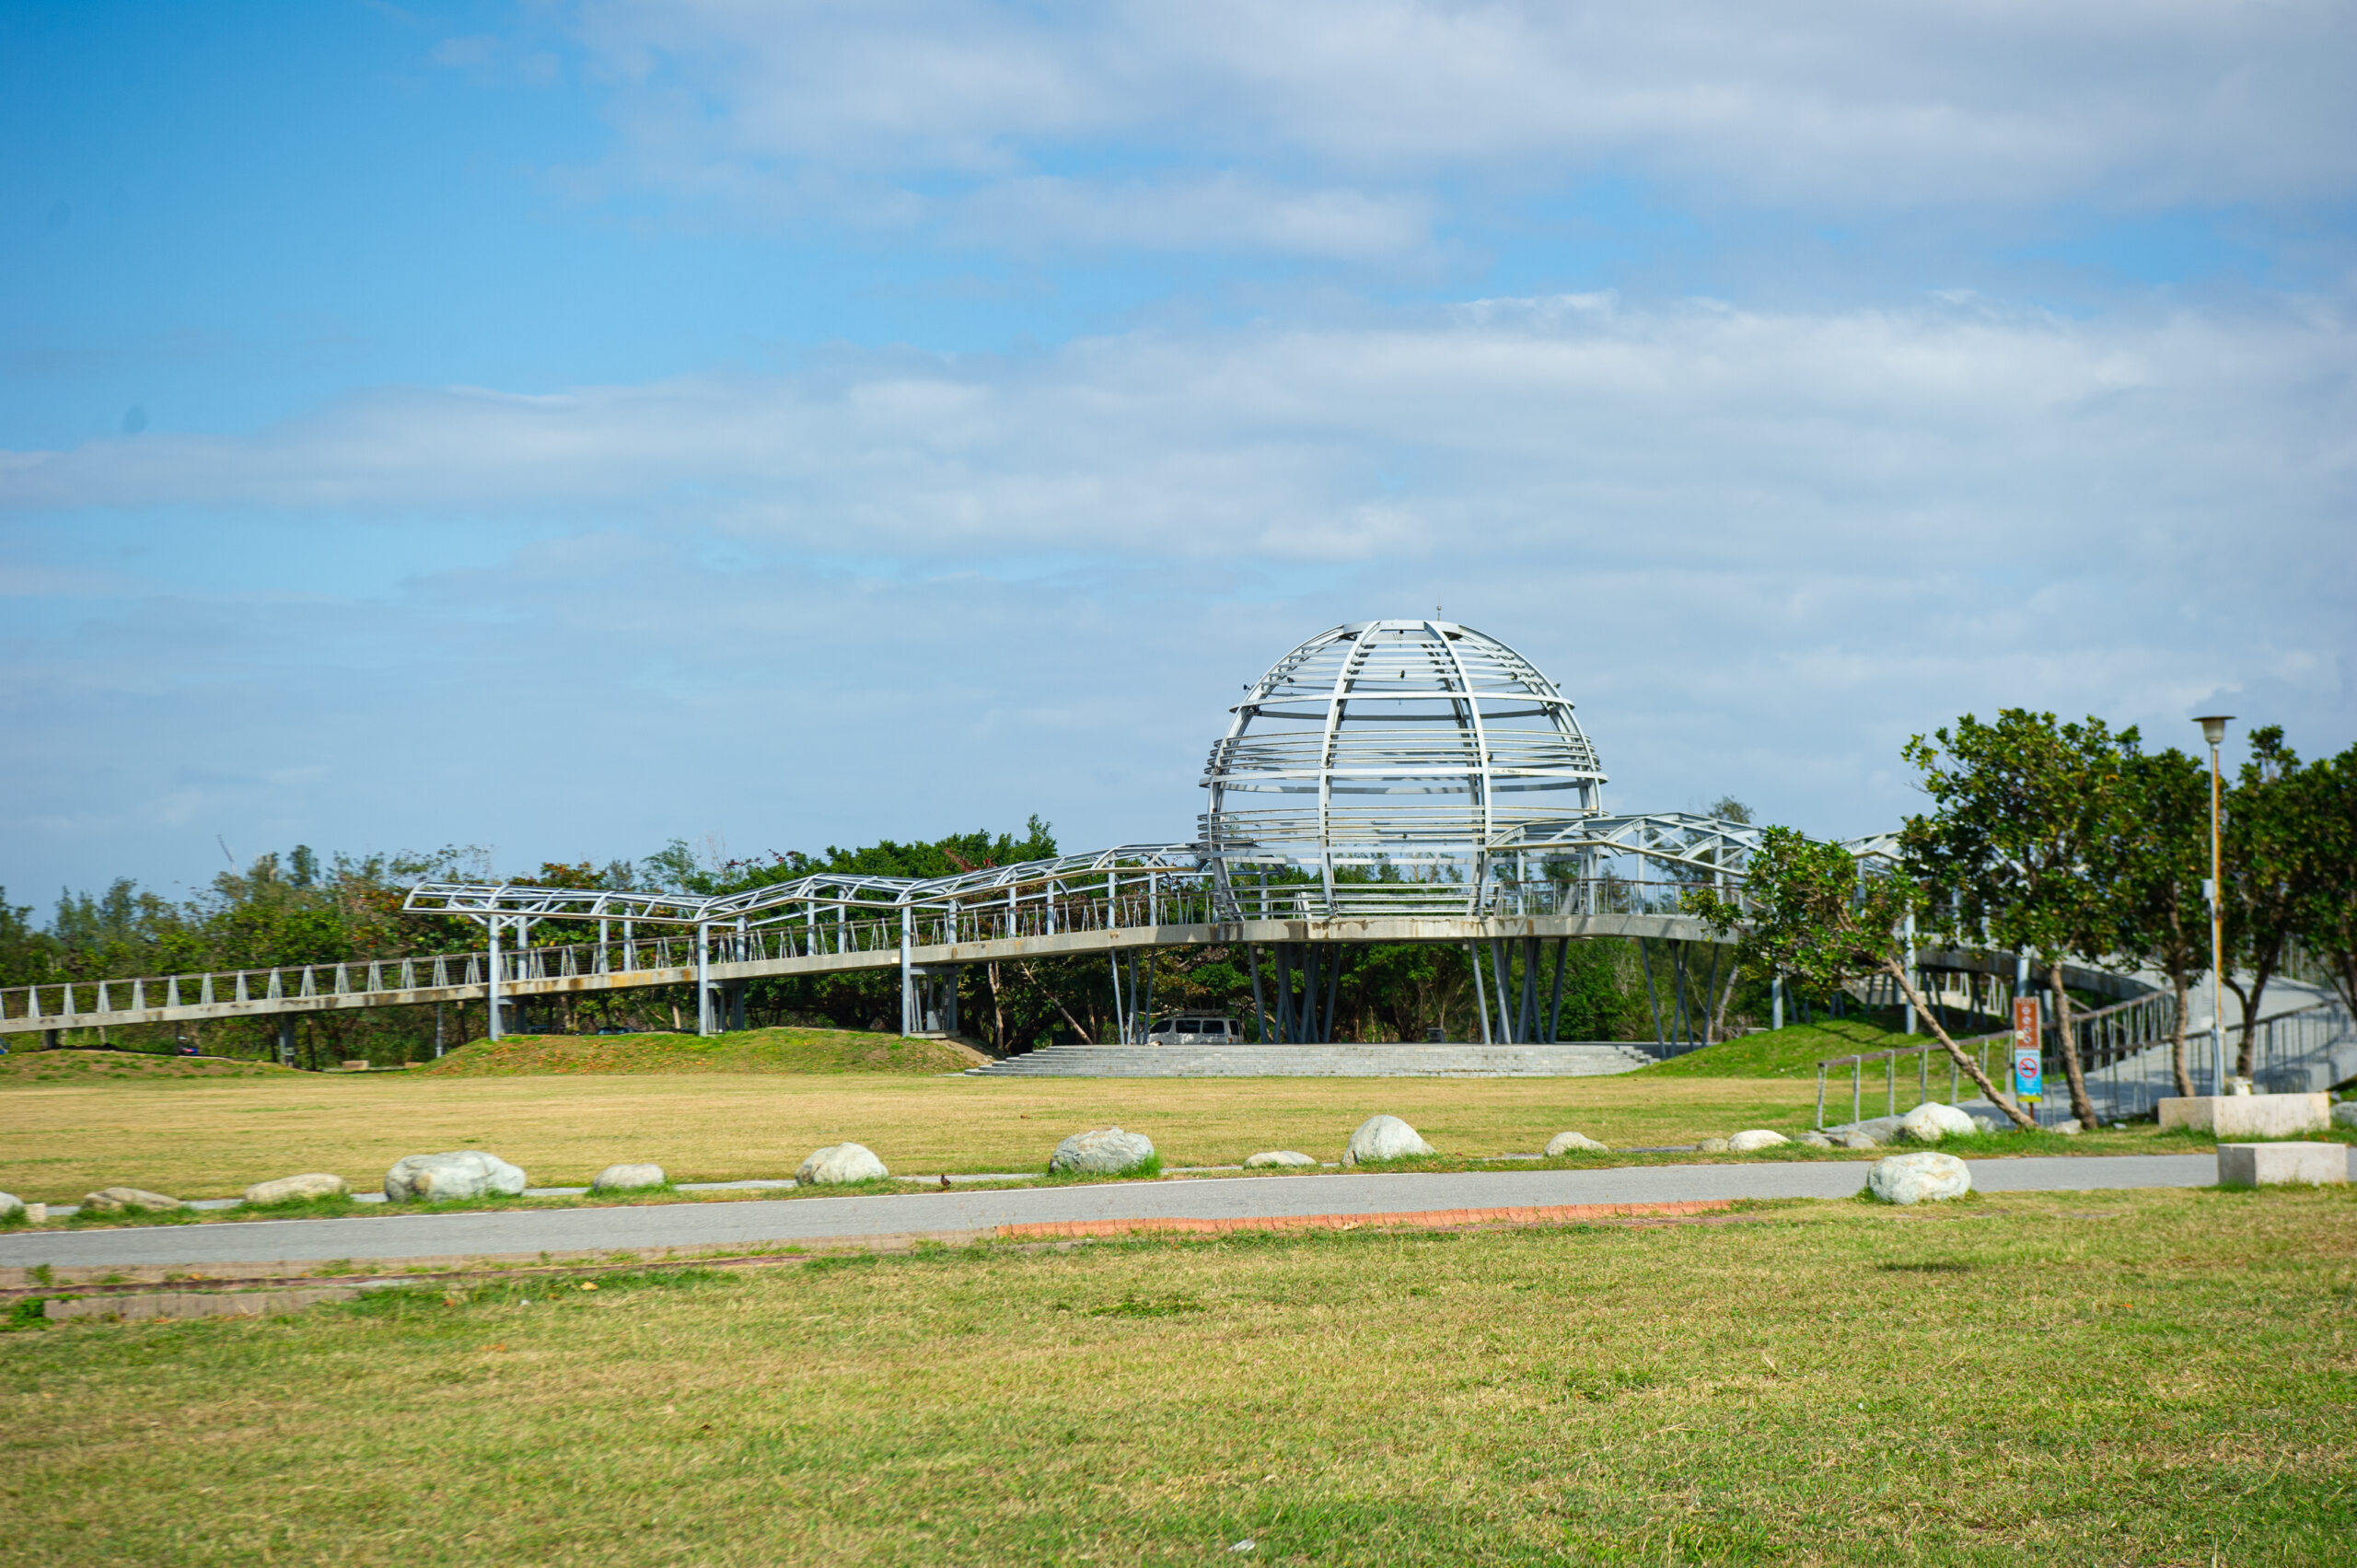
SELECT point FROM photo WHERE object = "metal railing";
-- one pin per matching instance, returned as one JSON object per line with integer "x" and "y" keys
{"x": 818, "y": 929}
{"x": 2113, "y": 1043}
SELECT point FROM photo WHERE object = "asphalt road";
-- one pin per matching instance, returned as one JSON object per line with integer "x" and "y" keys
{"x": 768, "y": 1222}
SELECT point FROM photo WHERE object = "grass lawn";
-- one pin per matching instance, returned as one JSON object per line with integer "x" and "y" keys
{"x": 193, "y": 1138}
{"x": 2162, "y": 1377}
{"x": 1792, "y": 1051}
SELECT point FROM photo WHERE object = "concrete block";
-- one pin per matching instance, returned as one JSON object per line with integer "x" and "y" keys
{"x": 2273, "y": 1165}
{"x": 2250, "y": 1116}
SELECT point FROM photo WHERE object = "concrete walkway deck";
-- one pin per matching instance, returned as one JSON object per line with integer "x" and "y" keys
{"x": 767, "y": 1223}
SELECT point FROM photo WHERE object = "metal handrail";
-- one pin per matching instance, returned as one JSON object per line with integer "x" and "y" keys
{"x": 2108, "y": 1035}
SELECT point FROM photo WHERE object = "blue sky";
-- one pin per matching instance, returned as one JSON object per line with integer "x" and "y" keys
{"x": 562, "y": 428}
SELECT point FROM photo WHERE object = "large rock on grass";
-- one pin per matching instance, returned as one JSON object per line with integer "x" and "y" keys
{"x": 11, "y": 1206}
{"x": 1713, "y": 1146}
{"x": 1930, "y": 1122}
{"x": 118, "y": 1199}
{"x": 1381, "y": 1138}
{"x": 1283, "y": 1158}
{"x": 627, "y": 1178}
{"x": 462, "y": 1173}
{"x": 2345, "y": 1113}
{"x": 1919, "y": 1178}
{"x": 1754, "y": 1138}
{"x": 1105, "y": 1152}
{"x": 1574, "y": 1144}
{"x": 838, "y": 1163}
{"x": 289, "y": 1189}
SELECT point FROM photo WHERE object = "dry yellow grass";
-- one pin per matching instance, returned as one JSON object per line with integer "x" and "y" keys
{"x": 2150, "y": 1377}
{"x": 197, "y": 1138}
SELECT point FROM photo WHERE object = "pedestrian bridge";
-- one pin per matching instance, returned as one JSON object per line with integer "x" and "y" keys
{"x": 1118, "y": 903}
{"x": 1386, "y": 781}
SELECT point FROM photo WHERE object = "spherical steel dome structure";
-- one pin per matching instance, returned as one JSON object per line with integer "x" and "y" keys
{"x": 1370, "y": 771}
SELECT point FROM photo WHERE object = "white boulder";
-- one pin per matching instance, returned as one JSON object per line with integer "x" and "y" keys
{"x": 1919, "y": 1178}
{"x": 1855, "y": 1139}
{"x": 1930, "y": 1122}
{"x": 1384, "y": 1138}
{"x": 1106, "y": 1152}
{"x": 288, "y": 1188}
{"x": 1287, "y": 1158}
{"x": 1814, "y": 1140}
{"x": 1744, "y": 1142}
{"x": 627, "y": 1178}
{"x": 115, "y": 1200}
{"x": 1573, "y": 1142}
{"x": 461, "y": 1173}
{"x": 838, "y": 1163}
{"x": 11, "y": 1206}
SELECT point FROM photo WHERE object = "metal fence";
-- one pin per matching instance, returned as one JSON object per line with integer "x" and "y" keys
{"x": 2124, "y": 1054}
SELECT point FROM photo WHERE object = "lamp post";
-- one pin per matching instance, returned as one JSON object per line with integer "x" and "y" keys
{"x": 2213, "y": 730}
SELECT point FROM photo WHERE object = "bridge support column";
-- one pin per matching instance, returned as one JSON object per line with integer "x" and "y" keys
{"x": 908, "y": 1006}
{"x": 287, "y": 1039}
{"x": 703, "y": 982}
{"x": 929, "y": 1000}
{"x": 735, "y": 990}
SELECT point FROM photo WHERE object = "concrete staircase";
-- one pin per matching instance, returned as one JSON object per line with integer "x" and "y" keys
{"x": 1415, "y": 1061}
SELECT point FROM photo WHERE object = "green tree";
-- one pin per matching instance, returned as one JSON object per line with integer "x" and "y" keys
{"x": 2327, "y": 917}
{"x": 1804, "y": 911}
{"x": 2270, "y": 872}
{"x": 2159, "y": 862}
{"x": 28, "y": 956}
{"x": 2015, "y": 848}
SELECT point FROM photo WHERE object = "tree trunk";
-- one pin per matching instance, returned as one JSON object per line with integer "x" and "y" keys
{"x": 2177, "y": 1039}
{"x": 2244, "y": 1056}
{"x": 1076, "y": 1028}
{"x": 1970, "y": 1068}
{"x": 998, "y": 1009}
{"x": 2081, "y": 1106}
{"x": 1717, "y": 1028}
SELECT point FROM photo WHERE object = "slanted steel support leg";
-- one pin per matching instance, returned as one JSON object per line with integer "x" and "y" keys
{"x": 1555, "y": 1002}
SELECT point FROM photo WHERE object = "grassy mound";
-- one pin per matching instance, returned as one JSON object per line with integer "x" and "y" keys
{"x": 1790, "y": 1053}
{"x": 752, "y": 1050}
{"x": 22, "y": 1067}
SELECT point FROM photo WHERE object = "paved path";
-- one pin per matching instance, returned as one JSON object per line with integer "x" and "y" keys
{"x": 755, "y": 1221}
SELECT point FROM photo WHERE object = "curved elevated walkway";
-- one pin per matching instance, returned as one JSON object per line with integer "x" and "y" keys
{"x": 1339, "y": 1061}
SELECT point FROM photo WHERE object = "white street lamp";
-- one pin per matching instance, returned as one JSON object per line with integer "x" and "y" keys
{"x": 2213, "y": 730}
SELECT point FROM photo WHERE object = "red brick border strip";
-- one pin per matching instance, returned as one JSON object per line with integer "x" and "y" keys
{"x": 1421, "y": 1219}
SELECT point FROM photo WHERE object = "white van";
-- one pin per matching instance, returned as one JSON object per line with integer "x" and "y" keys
{"x": 1189, "y": 1029}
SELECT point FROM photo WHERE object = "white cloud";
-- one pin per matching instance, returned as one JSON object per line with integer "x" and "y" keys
{"x": 1836, "y": 106}
{"x": 1760, "y": 548}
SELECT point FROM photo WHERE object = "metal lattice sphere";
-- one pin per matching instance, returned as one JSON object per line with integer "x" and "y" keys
{"x": 1372, "y": 768}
